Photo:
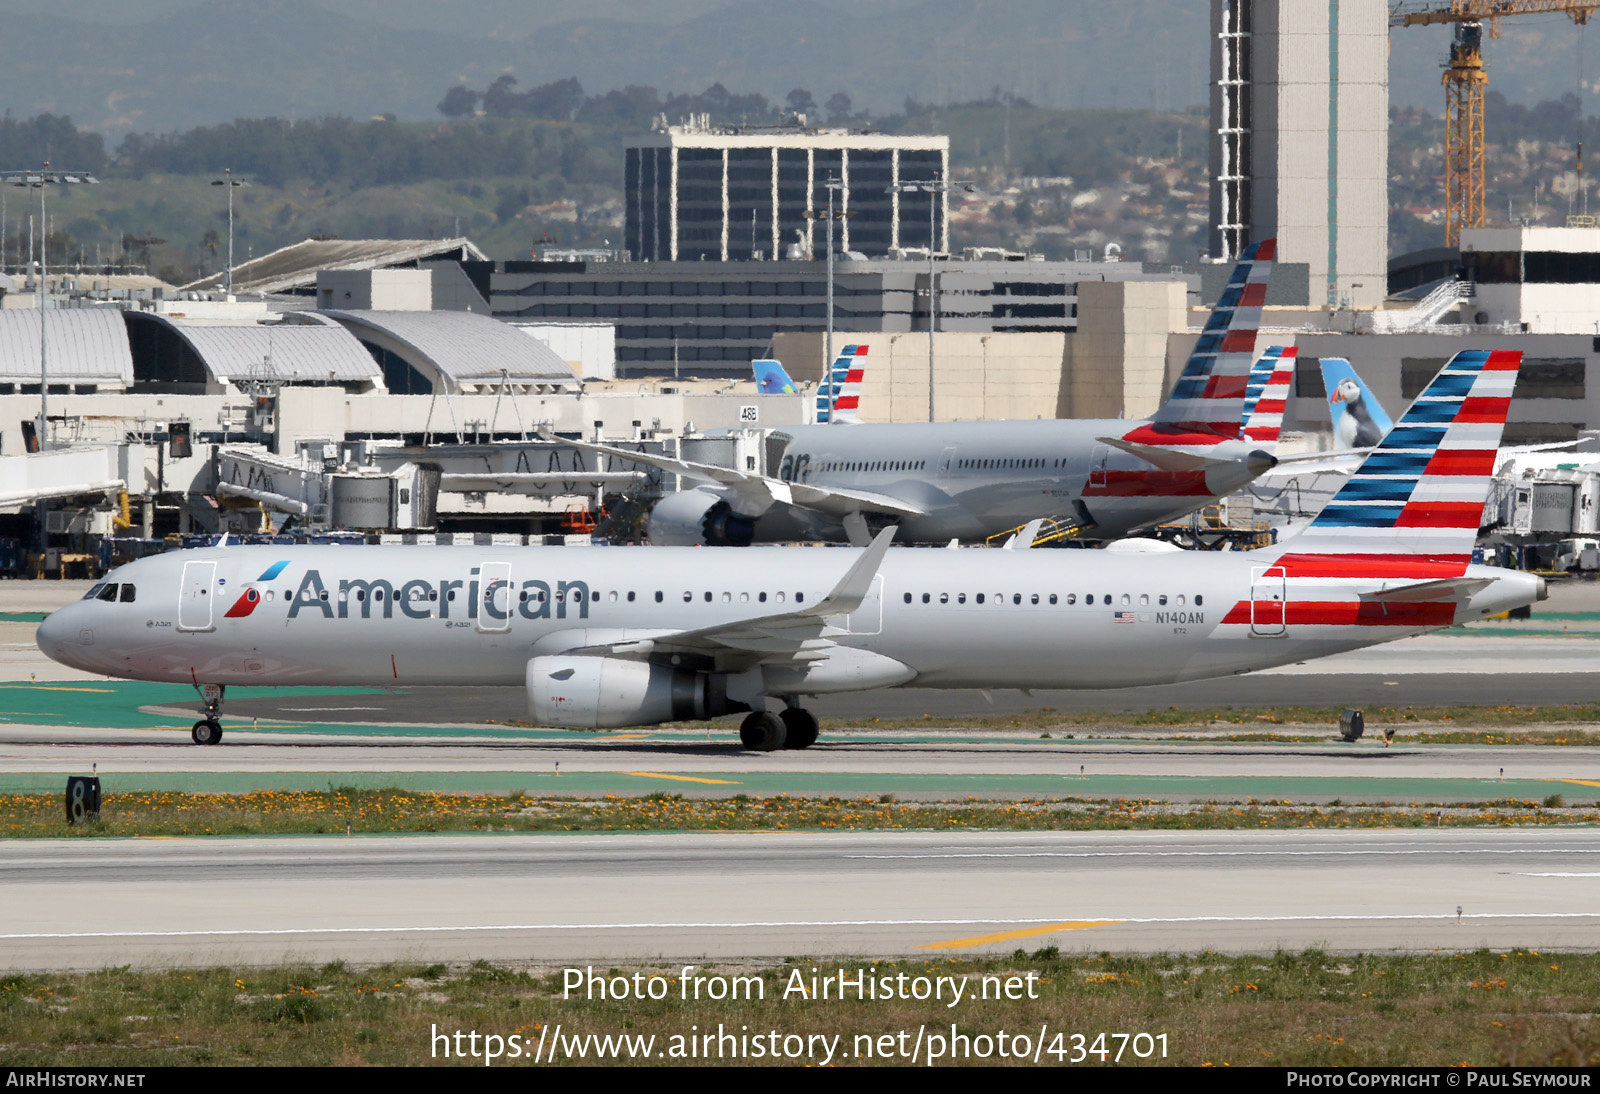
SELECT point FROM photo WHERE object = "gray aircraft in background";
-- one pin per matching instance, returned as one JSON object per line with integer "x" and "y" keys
{"x": 969, "y": 481}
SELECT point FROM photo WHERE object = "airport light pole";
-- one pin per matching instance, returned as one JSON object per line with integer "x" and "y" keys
{"x": 232, "y": 184}
{"x": 935, "y": 188}
{"x": 830, "y": 216}
{"x": 41, "y": 180}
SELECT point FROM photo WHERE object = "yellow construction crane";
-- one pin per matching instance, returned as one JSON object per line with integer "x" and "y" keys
{"x": 1465, "y": 80}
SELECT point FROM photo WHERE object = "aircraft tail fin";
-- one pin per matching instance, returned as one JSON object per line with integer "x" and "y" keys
{"x": 1359, "y": 420}
{"x": 1209, "y": 394}
{"x": 839, "y": 395}
{"x": 771, "y": 379}
{"x": 1418, "y": 497}
{"x": 1266, "y": 395}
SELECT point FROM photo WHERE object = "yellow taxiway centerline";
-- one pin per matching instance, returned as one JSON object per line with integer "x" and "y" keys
{"x": 681, "y": 778}
{"x": 1025, "y": 932}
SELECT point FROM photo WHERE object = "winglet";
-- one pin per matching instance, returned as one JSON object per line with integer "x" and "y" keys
{"x": 857, "y": 582}
{"x": 1024, "y": 539}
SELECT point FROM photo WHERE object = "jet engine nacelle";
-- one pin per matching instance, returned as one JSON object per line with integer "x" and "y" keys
{"x": 699, "y": 518}
{"x": 612, "y": 693}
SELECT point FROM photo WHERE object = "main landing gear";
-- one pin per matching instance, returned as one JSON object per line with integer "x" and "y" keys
{"x": 208, "y": 730}
{"x": 764, "y": 731}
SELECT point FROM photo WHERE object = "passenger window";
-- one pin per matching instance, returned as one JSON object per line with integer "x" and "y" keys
{"x": 1180, "y": 600}
{"x": 744, "y": 598}
{"x": 1036, "y": 598}
{"x": 944, "y": 598}
{"x": 978, "y": 598}
{"x": 708, "y": 596}
{"x": 727, "y": 598}
{"x": 961, "y": 598}
{"x": 799, "y": 598}
{"x": 1162, "y": 599}
{"x": 1052, "y": 598}
{"x": 926, "y": 598}
{"x": 1072, "y": 598}
{"x": 908, "y": 598}
{"x": 1198, "y": 600}
{"x": 630, "y": 596}
{"x": 1144, "y": 599}
{"x": 780, "y": 598}
{"x": 762, "y": 597}
{"x": 658, "y": 596}
{"x": 612, "y": 596}
{"x": 1126, "y": 600}
{"x": 688, "y": 597}
{"x": 1016, "y": 598}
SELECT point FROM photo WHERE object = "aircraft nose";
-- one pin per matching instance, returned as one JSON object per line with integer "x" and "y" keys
{"x": 59, "y": 637}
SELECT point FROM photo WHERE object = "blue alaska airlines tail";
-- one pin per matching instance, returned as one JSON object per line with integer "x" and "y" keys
{"x": 771, "y": 379}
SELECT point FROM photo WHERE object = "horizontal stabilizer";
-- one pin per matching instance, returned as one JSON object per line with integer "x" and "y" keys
{"x": 1168, "y": 459}
{"x": 1449, "y": 588}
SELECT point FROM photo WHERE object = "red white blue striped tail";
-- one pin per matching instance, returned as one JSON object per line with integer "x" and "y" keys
{"x": 1266, "y": 396}
{"x": 839, "y": 395}
{"x": 1209, "y": 394}
{"x": 1418, "y": 497}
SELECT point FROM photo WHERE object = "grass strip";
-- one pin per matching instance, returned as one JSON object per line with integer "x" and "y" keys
{"x": 1485, "y": 1007}
{"x": 365, "y": 812}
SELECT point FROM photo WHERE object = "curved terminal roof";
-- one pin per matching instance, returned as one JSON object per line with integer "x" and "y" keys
{"x": 463, "y": 347}
{"x": 295, "y": 266}
{"x": 86, "y": 346}
{"x": 285, "y": 353}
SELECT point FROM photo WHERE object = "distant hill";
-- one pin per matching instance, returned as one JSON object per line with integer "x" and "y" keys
{"x": 180, "y": 64}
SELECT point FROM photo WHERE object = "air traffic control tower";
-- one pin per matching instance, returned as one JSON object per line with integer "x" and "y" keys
{"x": 1300, "y": 139}
{"x": 708, "y": 192}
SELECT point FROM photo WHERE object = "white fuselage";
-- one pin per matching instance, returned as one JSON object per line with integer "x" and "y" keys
{"x": 377, "y": 616}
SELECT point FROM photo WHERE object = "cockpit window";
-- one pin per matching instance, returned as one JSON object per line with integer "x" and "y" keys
{"x": 127, "y": 594}
{"x": 94, "y": 591}
{"x": 109, "y": 593}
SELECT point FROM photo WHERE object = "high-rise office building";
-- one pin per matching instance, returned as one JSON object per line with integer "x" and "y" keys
{"x": 698, "y": 192}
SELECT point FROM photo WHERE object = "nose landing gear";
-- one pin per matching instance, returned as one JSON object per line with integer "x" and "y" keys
{"x": 208, "y": 730}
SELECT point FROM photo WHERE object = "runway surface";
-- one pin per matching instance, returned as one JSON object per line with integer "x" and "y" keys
{"x": 583, "y": 899}
{"x": 912, "y": 765}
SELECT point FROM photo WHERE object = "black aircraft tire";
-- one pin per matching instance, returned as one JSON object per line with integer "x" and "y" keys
{"x": 801, "y": 728}
{"x": 206, "y": 732}
{"x": 762, "y": 732}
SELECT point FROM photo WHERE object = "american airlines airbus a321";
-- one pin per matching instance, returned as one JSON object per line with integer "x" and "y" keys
{"x": 626, "y": 636}
{"x": 938, "y": 481}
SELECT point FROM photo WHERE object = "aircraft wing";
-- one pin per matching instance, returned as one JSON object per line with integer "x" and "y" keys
{"x": 762, "y": 491}
{"x": 786, "y": 638}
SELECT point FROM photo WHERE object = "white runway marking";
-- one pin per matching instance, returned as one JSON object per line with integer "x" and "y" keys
{"x": 1247, "y": 854}
{"x": 1108, "y": 920}
{"x": 1561, "y": 875}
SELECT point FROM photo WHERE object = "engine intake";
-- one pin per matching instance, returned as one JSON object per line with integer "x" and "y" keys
{"x": 699, "y": 518}
{"x": 613, "y": 693}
